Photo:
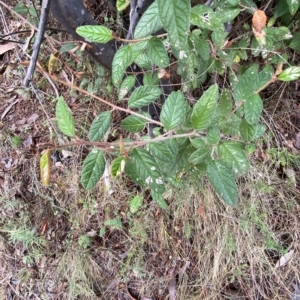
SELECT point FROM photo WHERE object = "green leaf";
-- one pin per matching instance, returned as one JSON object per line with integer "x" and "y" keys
{"x": 121, "y": 61}
{"x": 204, "y": 17}
{"x": 203, "y": 49}
{"x": 253, "y": 108}
{"x": 21, "y": 9}
{"x": 151, "y": 79}
{"x": 143, "y": 61}
{"x": 149, "y": 22}
{"x": 157, "y": 53}
{"x": 289, "y": 74}
{"x": 93, "y": 169}
{"x": 213, "y": 135}
{"x": 135, "y": 203}
{"x": 233, "y": 154}
{"x": 133, "y": 123}
{"x": 100, "y": 126}
{"x": 117, "y": 166}
{"x": 95, "y": 33}
{"x": 251, "y": 132}
{"x": 199, "y": 156}
{"x": 139, "y": 46}
{"x": 158, "y": 198}
{"x": 204, "y": 109}
{"x": 228, "y": 14}
{"x": 161, "y": 151}
{"x": 224, "y": 109}
{"x": 32, "y": 11}
{"x": 173, "y": 111}
{"x": 245, "y": 86}
{"x": 126, "y": 86}
{"x": 295, "y": 43}
{"x": 114, "y": 223}
{"x": 293, "y": 6}
{"x": 64, "y": 117}
{"x": 143, "y": 95}
{"x": 142, "y": 169}
{"x": 122, "y": 4}
{"x": 222, "y": 180}
{"x": 175, "y": 17}
{"x": 198, "y": 142}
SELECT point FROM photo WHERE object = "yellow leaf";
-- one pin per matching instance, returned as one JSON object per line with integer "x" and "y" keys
{"x": 45, "y": 167}
{"x": 52, "y": 62}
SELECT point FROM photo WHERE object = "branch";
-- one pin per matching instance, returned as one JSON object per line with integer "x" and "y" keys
{"x": 115, "y": 107}
{"x": 111, "y": 146}
{"x": 38, "y": 42}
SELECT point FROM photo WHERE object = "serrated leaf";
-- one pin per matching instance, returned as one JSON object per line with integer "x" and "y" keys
{"x": 246, "y": 84}
{"x": 32, "y": 11}
{"x": 204, "y": 109}
{"x": 203, "y": 49}
{"x": 133, "y": 123}
{"x": 45, "y": 167}
{"x": 224, "y": 108}
{"x": 21, "y": 9}
{"x": 139, "y": 46}
{"x": 143, "y": 61}
{"x": 199, "y": 156}
{"x": 289, "y": 74}
{"x": 173, "y": 111}
{"x": 64, "y": 117}
{"x": 251, "y": 132}
{"x": 293, "y": 6}
{"x": 253, "y": 108}
{"x": 228, "y": 14}
{"x": 121, "y": 61}
{"x": 161, "y": 151}
{"x": 198, "y": 142}
{"x": 122, "y": 4}
{"x": 142, "y": 169}
{"x": 95, "y": 33}
{"x": 159, "y": 199}
{"x": 151, "y": 79}
{"x": 149, "y": 22}
{"x": 92, "y": 169}
{"x": 126, "y": 86}
{"x": 204, "y": 17}
{"x": 233, "y": 154}
{"x": 175, "y": 17}
{"x": 222, "y": 180}
{"x": 100, "y": 126}
{"x": 117, "y": 166}
{"x": 143, "y": 95}
{"x": 135, "y": 203}
{"x": 157, "y": 53}
{"x": 213, "y": 135}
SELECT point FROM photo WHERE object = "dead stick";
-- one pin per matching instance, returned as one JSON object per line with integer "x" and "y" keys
{"x": 38, "y": 41}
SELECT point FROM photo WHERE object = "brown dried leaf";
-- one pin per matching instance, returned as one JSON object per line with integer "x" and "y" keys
{"x": 45, "y": 167}
{"x": 6, "y": 47}
{"x": 259, "y": 20}
{"x": 284, "y": 259}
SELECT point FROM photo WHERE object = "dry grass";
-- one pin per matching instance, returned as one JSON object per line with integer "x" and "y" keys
{"x": 55, "y": 242}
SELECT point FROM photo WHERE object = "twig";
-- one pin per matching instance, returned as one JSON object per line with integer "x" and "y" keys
{"x": 111, "y": 146}
{"x": 115, "y": 107}
{"x": 138, "y": 40}
{"x": 38, "y": 41}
